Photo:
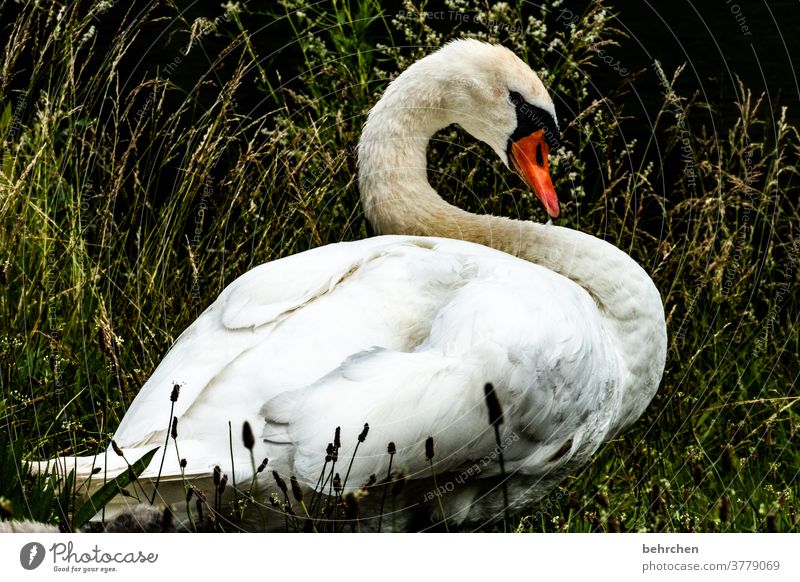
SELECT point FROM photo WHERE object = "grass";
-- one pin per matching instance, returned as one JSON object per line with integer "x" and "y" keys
{"x": 130, "y": 194}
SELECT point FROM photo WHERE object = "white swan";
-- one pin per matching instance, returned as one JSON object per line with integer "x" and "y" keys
{"x": 403, "y": 331}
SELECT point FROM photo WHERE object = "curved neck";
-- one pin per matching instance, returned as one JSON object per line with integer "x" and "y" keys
{"x": 398, "y": 199}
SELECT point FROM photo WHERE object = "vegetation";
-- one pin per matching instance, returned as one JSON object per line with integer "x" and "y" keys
{"x": 132, "y": 191}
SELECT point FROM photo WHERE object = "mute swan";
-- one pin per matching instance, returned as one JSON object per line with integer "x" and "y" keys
{"x": 402, "y": 331}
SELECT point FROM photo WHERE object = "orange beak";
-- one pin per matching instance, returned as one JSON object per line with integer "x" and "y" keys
{"x": 529, "y": 156}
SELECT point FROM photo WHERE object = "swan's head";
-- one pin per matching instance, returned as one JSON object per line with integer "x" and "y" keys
{"x": 498, "y": 99}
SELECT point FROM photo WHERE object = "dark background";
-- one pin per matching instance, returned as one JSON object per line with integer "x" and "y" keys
{"x": 719, "y": 40}
{"x": 709, "y": 38}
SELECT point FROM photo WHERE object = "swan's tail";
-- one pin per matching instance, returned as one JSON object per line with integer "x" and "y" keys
{"x": 175, "y": 478}
{"x": 92, "y": 472}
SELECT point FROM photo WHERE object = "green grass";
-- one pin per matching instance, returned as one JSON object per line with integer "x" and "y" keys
{"x": 129, "y": 197}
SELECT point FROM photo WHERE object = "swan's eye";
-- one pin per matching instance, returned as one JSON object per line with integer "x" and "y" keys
{"x": 531, "y": 118}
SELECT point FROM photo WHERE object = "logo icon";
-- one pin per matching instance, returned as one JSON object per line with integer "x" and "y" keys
{"x": 31, "y": 555}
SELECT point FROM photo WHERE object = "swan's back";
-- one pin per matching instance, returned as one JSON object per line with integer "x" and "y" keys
{"x": 398, "y": 332}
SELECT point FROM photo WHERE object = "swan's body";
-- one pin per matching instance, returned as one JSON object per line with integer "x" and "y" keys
{"x": 402, "y": 332}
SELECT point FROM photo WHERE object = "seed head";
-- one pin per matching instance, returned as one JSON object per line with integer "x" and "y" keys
{"x": 429, "y": 448}
{"x": 216, "y": 476}
{"x": 391, "y": 449}
{"x": 362, "y": 437}
{"x": 337, "y": 483}
{"x": 591, "y": 517}
{"x": 262, "y": 466}
{"x": 222, "y": 484}
{"x": 116, "y": 448}
{"x": 573, "y": 502}
{"x": 281, "y": 483}
{"x": 176, "y": 389}
{"x": 493, "y": 404}
{"x": 613, "y": 524}
{"x": 189, "y": 494}
{"x": 329, "y": 453}
{"x": 247, "y": 436}
{"x": 350, "y": 506}
{"x": 602, "y": 498}
{"x": 297, "y": 491}
{"x": 174, "y": 431}
{"x": 105, "y": 340}
{"x": 772, "y": 523}
{"x": 183, "y": 463}
{"x": 724, "y": 508}
{"x": 166, "y": 520}
{"x": 337, "y": 438}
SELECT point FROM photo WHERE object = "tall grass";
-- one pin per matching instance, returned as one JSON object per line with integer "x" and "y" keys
{"x": 131, "y": 193}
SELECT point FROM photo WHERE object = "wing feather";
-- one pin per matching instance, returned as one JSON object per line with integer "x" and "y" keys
{"x": 238, "y": 320}
{"x": 554, "y": 380}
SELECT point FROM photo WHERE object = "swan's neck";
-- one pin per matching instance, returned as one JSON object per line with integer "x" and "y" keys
{"x": 398, "y": 199}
